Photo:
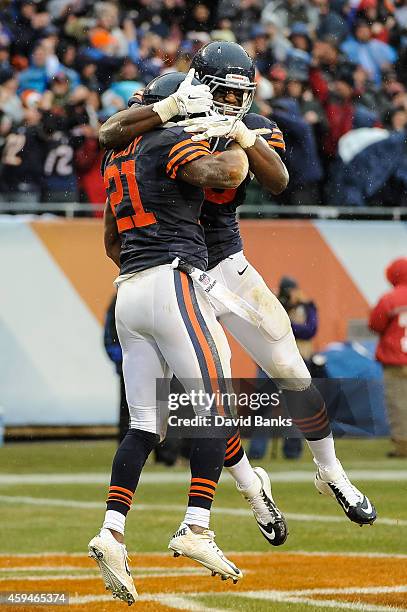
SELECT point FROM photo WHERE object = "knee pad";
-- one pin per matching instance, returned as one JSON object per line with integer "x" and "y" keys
{"x": 288, "y": 366}
{"x": 145, "y": 418}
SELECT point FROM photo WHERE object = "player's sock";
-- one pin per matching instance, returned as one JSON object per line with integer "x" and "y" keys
{"x": 128, "y": 462}
{"x": 324, "y": 451}
{"x": 238, "y": 464}
{"x": 206, "y": 460}
{"x": 308, "y": 411}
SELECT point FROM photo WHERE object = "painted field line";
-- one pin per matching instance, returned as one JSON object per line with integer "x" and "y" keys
{"x": 185, "y": 601}
{"x": 96, "y": 575}
{"x": 170, "y": 477}
{"x": 154, "y": 569}
{"x": 370, "y": 590}
{"x": 179, "y": 602}
{"x": 70, "y": 503}
{"x": 246, "y": 553}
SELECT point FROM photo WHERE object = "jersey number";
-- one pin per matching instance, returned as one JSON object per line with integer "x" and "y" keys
{"x": 141, "y": 218}
{"x": 220, "y": 197}
{"x": 14, "y": 145}
{"x": 59, "y": 161}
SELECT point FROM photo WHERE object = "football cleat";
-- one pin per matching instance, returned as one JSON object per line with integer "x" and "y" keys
{"x": 111, "y": 557}
{"x": 335, "y": 483}
{"x": 270, "y": 520}
{"x": 201, "y": 547}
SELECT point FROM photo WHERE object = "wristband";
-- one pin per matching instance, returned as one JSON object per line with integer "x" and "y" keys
{"x": 166, "y": 109}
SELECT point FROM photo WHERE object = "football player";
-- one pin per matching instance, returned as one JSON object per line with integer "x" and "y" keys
{"x": 230, "y": 74}
{"x": 154, "y": 188}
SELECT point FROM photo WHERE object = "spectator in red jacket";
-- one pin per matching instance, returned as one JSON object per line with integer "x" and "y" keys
{"x": 389, "y": 319}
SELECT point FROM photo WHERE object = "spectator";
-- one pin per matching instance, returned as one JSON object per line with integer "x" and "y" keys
{"x": 352, "y": 53}
{"x": 35, "y": 76}
{"x": 260, "y": 49}
{"x": 198, "y": 20}
{"x": 374, "y": 170}
{"x": 242, "y": 13}
{"x": 10, "y": 104}
{"x": 370, "y": 53}
{"x": 302, "y": 158}
{"x": 278, "y": 77}
{"x": 23, "y": 159}
{"x": 389, "y": 319}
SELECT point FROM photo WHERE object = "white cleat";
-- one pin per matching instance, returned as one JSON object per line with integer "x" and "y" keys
{"x": 201, "y": 547}
{"x": 270, "y": 520}
{"x": 335, "y": 483}
{"x": 111, "y": 556}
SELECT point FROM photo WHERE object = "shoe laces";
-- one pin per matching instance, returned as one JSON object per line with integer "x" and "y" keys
{"x": 262, "y": 507}
{"x": 352, "y": 495}
{"x": 210, "y": 535}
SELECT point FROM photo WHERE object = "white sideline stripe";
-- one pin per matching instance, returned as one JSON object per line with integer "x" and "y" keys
{"x": 178, "y": 602}
{"x": 96, "y": 575}
{"x": 371, "y": 590}
{"x": 169, "y": 477}
{"x": 250, "y": 553}
{"x": 337, "y": 605}
{"x": 69, "y": 503}
{"x": 139, "y": 568}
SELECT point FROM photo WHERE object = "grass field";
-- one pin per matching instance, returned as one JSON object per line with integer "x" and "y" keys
{"x": 52, "y": 501}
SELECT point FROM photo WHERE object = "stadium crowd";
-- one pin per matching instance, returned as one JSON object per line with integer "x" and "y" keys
{"x": 333, "y": 74}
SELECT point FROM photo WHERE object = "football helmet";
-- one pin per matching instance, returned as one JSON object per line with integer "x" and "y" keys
{"x": 163, "y": 86}
{"x": 227, "y": 65}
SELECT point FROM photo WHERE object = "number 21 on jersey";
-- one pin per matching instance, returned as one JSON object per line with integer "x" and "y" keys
{"x": 127, "y": 171}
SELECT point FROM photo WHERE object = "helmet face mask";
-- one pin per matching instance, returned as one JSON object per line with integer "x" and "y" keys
{"x": 235, "y": 83}
{"x": 226, "y": 65}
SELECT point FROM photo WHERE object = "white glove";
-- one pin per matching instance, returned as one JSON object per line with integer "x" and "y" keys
{"x": 208, "y": 127}
{"x": 222, "y": 125}
{"x": 187, "y": 100}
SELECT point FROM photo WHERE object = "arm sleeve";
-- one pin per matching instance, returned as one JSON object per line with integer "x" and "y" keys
{"x": 379, "y": 317}
{"x": 275, "y": 138}
{"x": 319, "y": 85}
{"x": 182, "y": 151}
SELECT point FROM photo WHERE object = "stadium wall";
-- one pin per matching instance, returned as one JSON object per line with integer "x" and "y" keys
{"x": 57, "y": 283}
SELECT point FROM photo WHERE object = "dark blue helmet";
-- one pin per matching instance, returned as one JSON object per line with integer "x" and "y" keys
{"x": 228, "y": 65}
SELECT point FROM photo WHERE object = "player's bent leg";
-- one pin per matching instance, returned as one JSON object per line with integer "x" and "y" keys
{"x": 201, "y": 362}
{"x": 274, "y": 348}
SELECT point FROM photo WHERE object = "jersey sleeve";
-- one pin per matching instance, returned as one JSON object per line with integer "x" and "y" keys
{"x": 182, "y": 151}
{"x": 275, "y": 138}
{"x": 105, "y": 161}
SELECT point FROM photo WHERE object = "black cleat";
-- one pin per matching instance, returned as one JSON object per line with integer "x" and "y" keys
{"x": 355, "y": 505}
{"x": 270, "y": 520}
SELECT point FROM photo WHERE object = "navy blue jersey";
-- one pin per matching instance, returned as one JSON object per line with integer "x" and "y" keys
{"x": 157, "y": 215}
{"x": 218, "y": 216}
{"x": 22, "y": 158}
{"x": 59, "y": 167}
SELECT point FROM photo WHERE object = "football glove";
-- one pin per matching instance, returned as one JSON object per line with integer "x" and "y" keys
{"x": 217, "y": 126}
{"x": 187, "y": 100}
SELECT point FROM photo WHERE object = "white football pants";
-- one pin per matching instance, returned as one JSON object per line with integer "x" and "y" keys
{"x": 272, "y": 346}
{"x": 165, "y": 327}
